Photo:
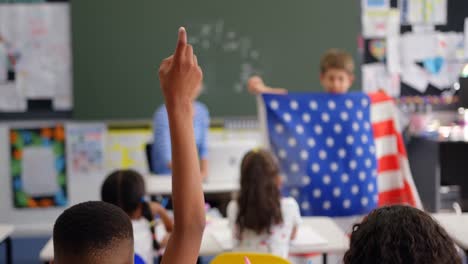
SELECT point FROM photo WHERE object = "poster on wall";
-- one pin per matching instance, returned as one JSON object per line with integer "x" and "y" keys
{"x": 38, "y": 167}
{"x": 428, "y": 12}
{"x": 375, "y": 4}
{"x": 380, "y": 23}
{"x": 376, "y": 77}
{"x": 86, "y": 148}
{"x": 35, "y": 56}
{"x": 126, "y": 149}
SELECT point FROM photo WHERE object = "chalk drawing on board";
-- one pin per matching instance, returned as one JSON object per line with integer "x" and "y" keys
{"x": 216, "y": 40}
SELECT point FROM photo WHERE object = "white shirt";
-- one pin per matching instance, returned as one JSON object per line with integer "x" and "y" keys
{"x": 275, "y": 243}
{"x": 143, "y": 242}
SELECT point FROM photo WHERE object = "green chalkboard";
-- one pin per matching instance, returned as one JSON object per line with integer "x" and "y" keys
{"x": 118, "y": 44}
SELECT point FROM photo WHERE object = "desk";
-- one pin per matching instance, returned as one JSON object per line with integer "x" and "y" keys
{"x": 209, "y": 247}
{"x": 456, "y": 227}
{"x": 5, "y": 232}
{"x": 435, "y": 163}
{"x": 162, "y": 185}
{"x": 338, "y": 241}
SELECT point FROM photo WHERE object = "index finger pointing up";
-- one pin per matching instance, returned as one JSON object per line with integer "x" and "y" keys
{"x": 181, "y": 43}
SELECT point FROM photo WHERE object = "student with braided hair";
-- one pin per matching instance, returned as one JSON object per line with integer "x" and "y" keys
{"x": 126, "y": 189}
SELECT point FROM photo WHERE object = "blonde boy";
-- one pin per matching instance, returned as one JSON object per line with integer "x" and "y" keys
{"x": 336, "y": 75}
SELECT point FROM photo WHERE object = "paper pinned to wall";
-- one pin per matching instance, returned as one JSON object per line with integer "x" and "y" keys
{"x": 416, "y": 77}
{"x": 440, "y": 55}
{"x": 378, "y": 49}
{"x": 375, "y": 4}
{"x": 412, "y": 11}
{"x": 417, "y": 47}
{"x": 125, "y": 149}
{"x": 3, "y": 62}
{"x": 10, "y": 99}
{"x": 39, "y": 174}
{"x": 376, "y": 77}
{"x": 450, "y": 45}
{"x": 435, "y": 12}
{"x": 381, "y": 23}
{"x": 86, "y": 148}
{"x": 432, "y": 12}
{"x": 447, "y": 76}
{"x": 38, "y": 43}
{"x": 38, "y": 166}
{"x": 466, "y": 38}
{"x": 393, "y": 55}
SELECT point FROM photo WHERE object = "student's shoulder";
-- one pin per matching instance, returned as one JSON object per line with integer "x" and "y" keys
{"x": 289, "y": 202}
{"x": 161, "y": 109}
{"x": 140, "y": 224}
{"x": 290, "y": 209}
{"x": 201, "y": 107}
{"x": 232, "y": 204}
{"x": 232, "y": 207}
{"x": 161, "y": 112}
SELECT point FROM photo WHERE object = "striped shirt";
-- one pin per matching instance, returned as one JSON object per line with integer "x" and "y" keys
{"x": 162, "y": 140}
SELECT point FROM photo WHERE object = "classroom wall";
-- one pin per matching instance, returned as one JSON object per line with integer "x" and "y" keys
{"x": 226, "y": 149}
{"x": 32, "y": 222}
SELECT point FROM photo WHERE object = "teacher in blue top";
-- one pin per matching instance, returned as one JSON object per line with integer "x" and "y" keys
{"x": 162, "y": 153}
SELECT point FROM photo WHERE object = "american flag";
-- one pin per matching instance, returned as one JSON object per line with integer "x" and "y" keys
{"x": 341, "y": 155}
{"x": 395, "y": 181}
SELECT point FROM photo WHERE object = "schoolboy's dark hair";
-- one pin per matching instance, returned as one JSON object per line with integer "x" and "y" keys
{"x": 89, "y": 230}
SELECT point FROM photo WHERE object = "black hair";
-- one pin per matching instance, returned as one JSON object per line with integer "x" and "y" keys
{"x": 400, "y": 235}
{"x": 126, "y": 189}
{"x": 88, "y": 230}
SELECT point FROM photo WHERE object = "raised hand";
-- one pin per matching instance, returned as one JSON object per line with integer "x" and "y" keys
{"x": 180, "y": 76}
{"x": 256, "y": 86}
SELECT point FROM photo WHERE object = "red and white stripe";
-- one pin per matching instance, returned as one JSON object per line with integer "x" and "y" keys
{"x": 394, "y": 180}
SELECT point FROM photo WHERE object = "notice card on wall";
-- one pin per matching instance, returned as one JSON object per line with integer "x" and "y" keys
{"x": 38, "y": 166}
{"x": 86, "y": 148}
{"x": 125, "y": 149}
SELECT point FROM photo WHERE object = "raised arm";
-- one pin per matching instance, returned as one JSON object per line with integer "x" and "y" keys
{"x": 180, "y": 76}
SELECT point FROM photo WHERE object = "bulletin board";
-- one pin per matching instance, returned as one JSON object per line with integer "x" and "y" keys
{"x": 414, "y": 48}
{"x": 38, "y": 166}
{"x": 126, "y": 148}
{"x": 35, "y": 60}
